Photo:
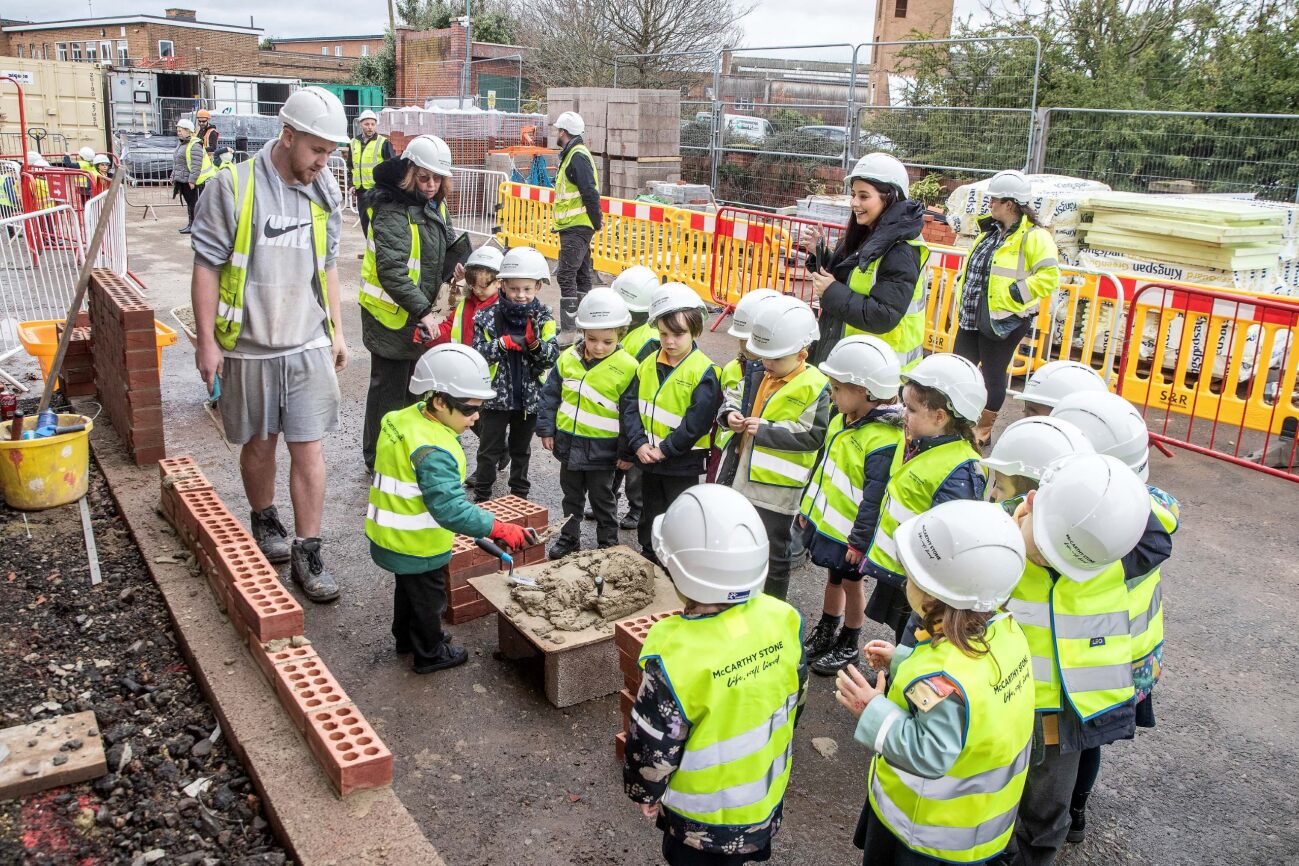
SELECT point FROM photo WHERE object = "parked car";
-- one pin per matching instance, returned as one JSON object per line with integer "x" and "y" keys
{"x": 744, "y": 128}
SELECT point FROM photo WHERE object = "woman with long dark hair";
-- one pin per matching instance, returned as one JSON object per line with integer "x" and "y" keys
{"x": 873, "y": 280}
{"x": 1012, "y": 267}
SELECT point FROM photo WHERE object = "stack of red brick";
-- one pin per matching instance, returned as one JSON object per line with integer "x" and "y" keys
{"x": 464, "y": 603}
{"x": 77, "y": 375}
{"x": 247, "y": 587}
{"x": 125, "y": 348}
{"x": 629, "y": 637}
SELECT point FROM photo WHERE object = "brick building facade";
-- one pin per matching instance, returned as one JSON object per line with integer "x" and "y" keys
{"x": 331, "y": 46}
{"x": 430, "y": 63}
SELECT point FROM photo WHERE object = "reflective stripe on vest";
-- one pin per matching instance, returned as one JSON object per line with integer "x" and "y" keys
{"x": 1145, "y": 594}
{"x": 1027, "y": 243}
{"x": 207, "y": 170}
{"x": 568, "y": 210}
{"x": 965, "y": 816}
{"x": 908, "y": 338}
{"x": 396, "y": 518}
{"x": 234, "y": 273}
{"x": 372, "y": 296}
{"x": 736, "y": 677}
{"x": 364, "y": 158}
{"x": 1079, "y": 637}
{"x": 911, "y": 489}
{"x": 663, "y": 405}
{"x": 834, "y": 495}
{"x": 787, "y": 405}
{"x": 588, "y": 398}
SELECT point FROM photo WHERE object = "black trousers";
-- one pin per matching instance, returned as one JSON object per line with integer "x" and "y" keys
{"x": 189, "y": 195}
{"x": 880, "y": 847}
{"x": 658, "y": 492}
{"x": 993, "y": 358}
{"x": 574, "y": 272}
{"x": 389, "y": 391}
{"x": 418, "y": 602}
{"x": 630, "y": 480}
{"x": 579, "y": 485}
{"x": 502, "y": 432}
{"x": 1043, "y": 821}
{"x": 362, "y": 210}
{"x": 780, "y": 530}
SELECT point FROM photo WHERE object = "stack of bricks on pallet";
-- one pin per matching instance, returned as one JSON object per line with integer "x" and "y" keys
{"x": 637, "y": 133}
{"x": 125, "y": 349}
{"x": 629, "y": 637}
{"x": 247, "y": 587}
{"x": 77, "y": 375}
{"x": 464, "y": 603}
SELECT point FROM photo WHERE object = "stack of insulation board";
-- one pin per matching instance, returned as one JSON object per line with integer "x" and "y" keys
{"x": 825, "y": 208}
{"x": 1056, "y": 199}
{"x": 635, "y": 134}
{"x": 1213, "y": 241}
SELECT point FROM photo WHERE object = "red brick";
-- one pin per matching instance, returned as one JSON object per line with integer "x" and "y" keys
{"x": 267, "y": 608}
{"x": 524, "y": 513}
{"x": 148, "y": 456}
{"x": 629, "y": 635}
{"x": 468, "y": 611}
{"x": 85, "y": 389}
{"x": 239, "y": 561}
{"x": 146, "y": 416}
{"x": 306, "y": 686}
{"x": 268, "y": 661}
{"x": 631, "y": 672}
{"x": 461, "y": 575}
{"x": 625, "y": 701}
{"x": 530, "y": 555}
{"x": 351, "y": 754}
{"x": 198, "y": 505}
{"x": 172, "y": 464}
{"x": 620, "y": 746}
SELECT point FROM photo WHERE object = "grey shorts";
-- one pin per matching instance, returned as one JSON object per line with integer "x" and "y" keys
{"x": 296, "y": 395}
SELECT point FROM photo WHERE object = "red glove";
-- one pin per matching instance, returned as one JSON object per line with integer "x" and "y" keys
{"x": 512, "y": 536}
{"x": 530, "y": 337}
{"x": 511, "y": 344}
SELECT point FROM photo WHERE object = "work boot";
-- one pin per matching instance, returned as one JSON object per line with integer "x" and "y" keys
{"x": 823, "y": 637}
{"x": 1077, "y": 820}
{"x": 189, "y": 228}
{"x": 448, "y": 657}
{"x": 983, "y": 430}
{"x": 563, "y": 546}
{"x": 309, "y": 572}
{"x": 567, "y": 322}
{"x": 271, "y": 537}
{"x": 630, "y": 520}
{"x": 845, "y": 652}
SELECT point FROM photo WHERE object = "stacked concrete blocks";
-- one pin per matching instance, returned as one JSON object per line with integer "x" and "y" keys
{"x": 635, "y": 134}
{"x": 125, "y": 349}
{"x": 464, "y": 603}
{"x": 629, "y": 638}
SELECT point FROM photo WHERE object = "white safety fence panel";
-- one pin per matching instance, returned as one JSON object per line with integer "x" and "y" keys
{"x": 112, "y": 252}
{"x": 474, "y": 200}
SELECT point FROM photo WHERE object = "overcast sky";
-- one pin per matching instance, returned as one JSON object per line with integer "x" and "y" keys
{"x": 771, "y": 23}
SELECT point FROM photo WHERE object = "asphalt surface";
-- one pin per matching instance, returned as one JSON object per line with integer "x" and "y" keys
{"x": 493, "y": 773}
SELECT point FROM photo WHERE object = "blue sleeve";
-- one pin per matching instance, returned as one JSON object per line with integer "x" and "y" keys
{"x": 1154, "y": 548}
{"x": 698, "y": 419}
{"x": 924, "y": 744}
{"x": 965, "y": 482}
{"x": 550, "y": 396}
{"x": 878, "y": 464}
{"x": 438, "y": 476}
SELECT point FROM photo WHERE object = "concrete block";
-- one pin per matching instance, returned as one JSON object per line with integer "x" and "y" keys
{"x": 352, "y": 755}
{"x": 512, "y": 643}
{"x": 582, "y": 673}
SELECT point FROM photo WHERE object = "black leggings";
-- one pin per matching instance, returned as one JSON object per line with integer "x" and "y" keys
{"x": 993, "y": 358}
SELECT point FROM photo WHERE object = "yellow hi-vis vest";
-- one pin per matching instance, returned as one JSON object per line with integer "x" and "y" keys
{"x": 89, "y": 168}
{"x": 372, "y": 296}
{"x": 732, "y": 377}
{"x": 787, "y": 468}
{"x": 663, "y": 406}
{"x": 588, "y": 398}
{"x": 638, "y": 337}
{"x": 1146, "y": 597}
{"x": 908, "y": 338}
{"x": 364, "y": 158}
{"x": 568, "y": 209}
{"x": 207, "y": 170}
{"x": 735, "y": 675}
{"x": 1079, "y": 636}
{"x": 967, "y": 815}
{"x": 1027, "y": 262}
{"x": 397, "y": 518}
{"x": 834, "y": 495}
{"x": 234, "y": 273}
{"x": 911, "y": 488}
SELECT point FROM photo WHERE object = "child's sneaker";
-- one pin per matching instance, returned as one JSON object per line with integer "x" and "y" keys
{"x": 822, "y": 638}
{"x": 845, "y": 652}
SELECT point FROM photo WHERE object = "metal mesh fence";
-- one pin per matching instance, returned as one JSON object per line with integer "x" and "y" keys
{"x": 40, "y": 257}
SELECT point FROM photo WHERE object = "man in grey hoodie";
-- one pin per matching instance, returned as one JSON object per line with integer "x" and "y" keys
{"x": 266, "y": 311}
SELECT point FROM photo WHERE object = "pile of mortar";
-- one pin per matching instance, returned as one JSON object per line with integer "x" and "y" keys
{"x": 565, "y": 596}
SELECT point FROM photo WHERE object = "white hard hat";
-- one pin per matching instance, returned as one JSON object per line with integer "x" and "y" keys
{"x": 455, "y": 369}
{"x": 316, "y": 111}
{"x": 602, "y": 308}
{"x": 1028, "y": 446}
{"x": 964, "y": 553}
{"x": 86, "y": 153}
{"x": 366, "y": 115}
{"x": 782, "y": 328}
{"x": 636, "y": 285}
{"x": 1112, "y": 425}
{"x": 673, "y": 297}
{"x": 100, "y": 159}
{"x": 865, "y": 360}
{"x": 430, "y": 152}
{"x": 1010, "y": 184}
{"x": 956, "y": 378}
{"x": 713, "y": 544}
{"x": 225, "y": 157}
{"x": 1090, "y": 511}
{"x": 524, "y": 263}
{"x": 486, "y": 256}
{"x": 35, "y": 158}
{"x": 1053, "y": 380}
{"x": 185, "y": 123}
{"x": 882, "y": 168}
{"x": 745, "y": 309}
{"x": 571, "y": 122}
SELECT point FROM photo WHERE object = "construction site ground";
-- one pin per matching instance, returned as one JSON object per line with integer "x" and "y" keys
{"x": 494, "y": 774}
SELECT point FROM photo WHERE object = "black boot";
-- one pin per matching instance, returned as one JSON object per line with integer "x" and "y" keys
{"x": 845, "y": 652}
{"x": 1077, "y": 819}
{"x": 823, "y": 636}
{"x": 630, "y": 520}
{"x": 563, "y": 546}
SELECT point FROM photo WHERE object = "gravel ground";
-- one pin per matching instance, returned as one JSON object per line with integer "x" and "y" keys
{"x": 69, "y": 647}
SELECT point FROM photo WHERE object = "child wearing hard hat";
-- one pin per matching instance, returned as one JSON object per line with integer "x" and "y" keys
{"x": 841, "y": 506}
{"x": 417, "y": 501}
{"x": 779, "y": 416}
{"x": 1115, "y": 428}
{"x": 517, "y": 337}
{"x": 1023, "y": 452}
{"x": 710, "y": 742}
{"x": 735, "y": 371}
{"x": 942, "y": 398}
{"x": 1088, "y": 512}
{"x": 952, "y": 731}
{"x": 480, "y": 290}
{"x": 636, "y": 285}
{"x": 579, "y": 419}
{"x": 1053, "y": 381}
{"x": 668, "y": 411}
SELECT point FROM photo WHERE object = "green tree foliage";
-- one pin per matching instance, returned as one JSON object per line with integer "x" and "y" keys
{"x": 379, "y": 68}
{"x": 489, "y": 21}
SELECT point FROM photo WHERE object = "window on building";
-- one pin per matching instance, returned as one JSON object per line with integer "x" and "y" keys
{"x": 338, "y": 51}
{"x": 92, "y": 51}
{"x": 324, "y": 50}
{"x": 166, "y": 48}
{"x": 123, "y": 50}
{"x": 20, "y": 50}
{"x": 76, "y": 50}
{"x": 121, "y": 31}
{"x": 899, "y": 8}
{"x": 365, "y": 50}
{"x": 31, "y": 50}
{"x": 60, "y": 51}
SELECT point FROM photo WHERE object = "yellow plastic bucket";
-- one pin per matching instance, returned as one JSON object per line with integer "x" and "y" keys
{"x": 43, "y": 473}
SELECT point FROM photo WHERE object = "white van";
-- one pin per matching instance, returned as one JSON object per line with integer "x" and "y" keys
{"x": 748, "y": 128}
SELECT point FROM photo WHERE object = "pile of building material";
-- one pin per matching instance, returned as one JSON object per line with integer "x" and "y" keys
{"x": 635, "y": 134}
{"x": 257, "y": 129}
{"x": 835, "y": 209}
{"x": 469, "y": 132}
{"x": 1056, "y": 200}
{"x": 694, "y": 196}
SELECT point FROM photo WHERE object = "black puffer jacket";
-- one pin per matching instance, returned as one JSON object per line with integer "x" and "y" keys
{"x": 895, "y": 280}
